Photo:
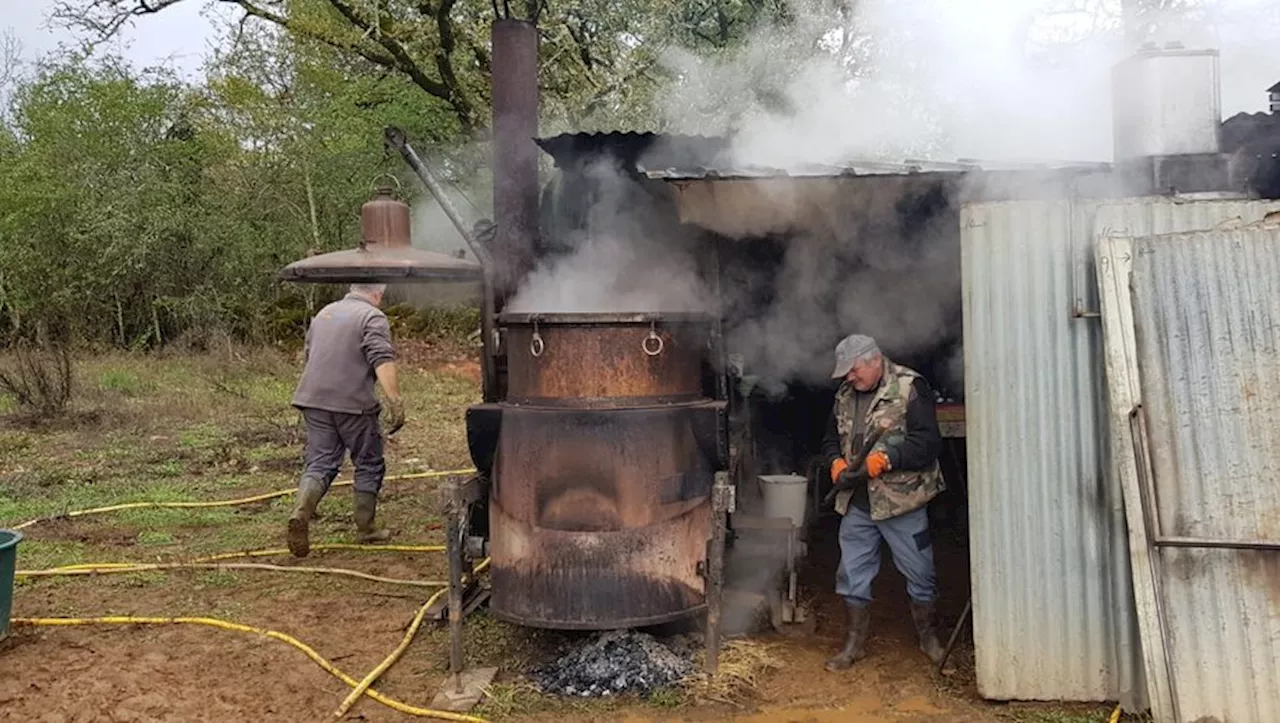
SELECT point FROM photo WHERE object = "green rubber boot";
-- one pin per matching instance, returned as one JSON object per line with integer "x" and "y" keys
{"x": 366, "y": 509}
{"x": 310, "y": 492}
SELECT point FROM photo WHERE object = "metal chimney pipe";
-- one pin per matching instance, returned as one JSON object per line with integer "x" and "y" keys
{"x": 515, "y": 155}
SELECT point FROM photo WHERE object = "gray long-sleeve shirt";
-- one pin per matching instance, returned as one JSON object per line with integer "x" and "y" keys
{"x": 346, "y": 342}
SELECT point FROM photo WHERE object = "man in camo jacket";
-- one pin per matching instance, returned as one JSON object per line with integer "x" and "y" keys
{"x": 885, "y": 495}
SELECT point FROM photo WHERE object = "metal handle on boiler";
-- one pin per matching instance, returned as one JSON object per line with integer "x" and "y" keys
{"x": 537, "y": 345}
{"x": 652, "y": 344}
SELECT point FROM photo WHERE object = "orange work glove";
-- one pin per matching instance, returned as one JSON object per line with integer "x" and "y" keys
{"x": 877, "y": 464}
{"x": 837, "y": 467}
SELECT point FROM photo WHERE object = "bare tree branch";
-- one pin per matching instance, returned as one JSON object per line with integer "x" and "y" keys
{"x": 103, "y": 19}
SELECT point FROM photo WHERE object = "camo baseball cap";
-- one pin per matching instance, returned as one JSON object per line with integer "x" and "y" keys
{"x": 851, "y": 349}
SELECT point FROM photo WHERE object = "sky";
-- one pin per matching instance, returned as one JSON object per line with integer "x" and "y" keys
{"x": 178, "y": 37}
{"x": 181, "y": 36}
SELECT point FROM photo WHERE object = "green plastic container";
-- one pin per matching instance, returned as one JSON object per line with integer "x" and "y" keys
{"x": 9, "y": 540}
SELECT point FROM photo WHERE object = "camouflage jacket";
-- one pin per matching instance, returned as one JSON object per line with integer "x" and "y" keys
{"x": 895, "y": 492}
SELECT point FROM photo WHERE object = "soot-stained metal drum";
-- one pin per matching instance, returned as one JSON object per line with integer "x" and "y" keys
{"x": 600, "y": 510}
{"x": 605, "y": 360}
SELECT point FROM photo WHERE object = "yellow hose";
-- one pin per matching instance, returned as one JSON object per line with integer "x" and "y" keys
{"x": 274, "y": 635}
{"x": 115, "y": 567}
{"x": 224, "y": 503}
{"x": 266, "y": 553}
{"x": 391, "y": 659}
{"x": 1115, "y": 715}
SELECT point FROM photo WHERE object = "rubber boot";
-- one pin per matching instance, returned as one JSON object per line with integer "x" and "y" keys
{"x": 856, "y": 640}
{"x": 927, "y": 630}
{"x": 366, "y": 508}
{"x": 310, "y": 492}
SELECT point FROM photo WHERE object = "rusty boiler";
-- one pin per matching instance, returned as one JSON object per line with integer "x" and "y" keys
{"x": 602, "y": 471}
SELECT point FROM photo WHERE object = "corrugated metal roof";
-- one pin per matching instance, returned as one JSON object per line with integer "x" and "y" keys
{"x": 1053, "y": 615}
{"x": 673, "y": 156}
{"x": 1197, "y": 342}
{"x": 691, "y": 172}
{"x": 1054, "y": 612}
{"x": 630, "y": 148}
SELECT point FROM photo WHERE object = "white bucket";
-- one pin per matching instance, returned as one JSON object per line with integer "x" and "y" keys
{"x": 785, "y": 495}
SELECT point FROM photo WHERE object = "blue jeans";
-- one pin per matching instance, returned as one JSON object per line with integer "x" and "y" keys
{"x": 909, "y": 542}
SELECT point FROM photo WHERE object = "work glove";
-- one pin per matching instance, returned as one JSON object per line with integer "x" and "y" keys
{"x": 877, "y": 464}
{"x": 395, "y": 416}
{"x": 837, "y": 468}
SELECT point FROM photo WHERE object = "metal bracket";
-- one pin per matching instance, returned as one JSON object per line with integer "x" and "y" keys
{"x": 1078, "y": 312}
{"x": 1150, "y": 503}
{"x": 724, "y": 497}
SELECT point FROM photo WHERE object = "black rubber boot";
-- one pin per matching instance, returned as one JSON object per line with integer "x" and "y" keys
{"x": 927, "y": 630}
{"x": 366, "y": 509}
{"x": 310, "y": 492}
{"x": 856, "y": 640}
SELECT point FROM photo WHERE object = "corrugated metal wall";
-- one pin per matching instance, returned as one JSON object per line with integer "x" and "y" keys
{"x": 1206, "y": 310}
{"x": 1053, "y": 602}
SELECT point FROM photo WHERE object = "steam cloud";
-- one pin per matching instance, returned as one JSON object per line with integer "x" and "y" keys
{"x": 628, "y": 259}
{"x": 1005, "y": 80}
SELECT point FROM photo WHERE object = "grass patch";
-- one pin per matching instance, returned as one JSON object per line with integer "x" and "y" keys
{"x": 122, "y": 381}
{"x": 153, "y": 538}
{"x": 217, "y": 579}
{"x": 45, "y": 554}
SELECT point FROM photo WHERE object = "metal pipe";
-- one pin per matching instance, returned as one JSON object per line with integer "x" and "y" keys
{"x": 722, "y": 505}
{"x": 453, "y": 531}
{"x": 514, "y": 61}
{"x": 1205, "y": 543}
{"x": 1149, "y": 509}
{"x": 955, "y": 634}
{"x": 396, "y": 139}
{"x": 1142, "y": 451}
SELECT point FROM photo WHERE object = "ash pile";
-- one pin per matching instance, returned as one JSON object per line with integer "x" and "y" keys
{"x": 616, "y": 663}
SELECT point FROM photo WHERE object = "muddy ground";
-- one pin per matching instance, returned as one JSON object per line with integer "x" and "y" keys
{"x": 169, "y": 441}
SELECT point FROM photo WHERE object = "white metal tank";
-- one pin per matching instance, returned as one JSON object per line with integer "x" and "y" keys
{"x": 1167, "y": 102}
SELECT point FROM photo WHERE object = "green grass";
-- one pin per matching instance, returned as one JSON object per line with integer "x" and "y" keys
{"x": 123, "y": 380}
{"x": 198, "y": 428}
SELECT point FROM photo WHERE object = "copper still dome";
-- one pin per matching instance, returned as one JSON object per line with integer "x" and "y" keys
{"x": 384, "y": 255}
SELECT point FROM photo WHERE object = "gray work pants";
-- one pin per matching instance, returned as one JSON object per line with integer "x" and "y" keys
{"x": 909, "y": 542}
{"x": 330, "y": 435}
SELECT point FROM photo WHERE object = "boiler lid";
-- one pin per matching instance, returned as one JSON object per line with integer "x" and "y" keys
{"x": 381, "y": 264}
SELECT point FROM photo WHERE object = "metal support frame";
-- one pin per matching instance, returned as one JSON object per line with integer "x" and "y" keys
{"x": 1156, "y": 539}
{"x": 1151, "y": 510}
{"x": 722, "y": 504}
{"x": 955, "y": 634}
{"x": 454, "y": 543}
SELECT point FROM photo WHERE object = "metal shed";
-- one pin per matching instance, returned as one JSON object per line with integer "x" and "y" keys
{"x": 1054, "y": 611}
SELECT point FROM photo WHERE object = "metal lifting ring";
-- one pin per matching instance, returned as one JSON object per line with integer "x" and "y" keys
{"x": 537, "y": 346}
{"x": 394, "y": 179}
{"x": 652, "y": 344}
